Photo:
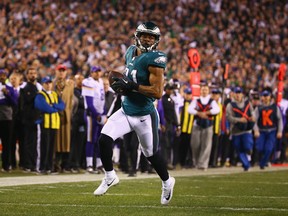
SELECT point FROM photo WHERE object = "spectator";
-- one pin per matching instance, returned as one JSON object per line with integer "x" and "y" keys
{"x": 216, "y": 95}
{"x": 186, "y": 121}
{"x": 226, "y": 147}
{"x": 65, "y": 90}
{"x": 78, "y": 132}
{"x": 254, "y": 97}
{"x": 8, "y": 99}
{"x": 281, "y": 144}
{"x": 33, "y": 33}
{"x": 172, "y": 126}
{"x": 109, "y": 94}
{"x": 49, "y": 104}
{"x": 178, "y": 103}
{"x": 228, "y": 155}
{"x": 130, "y": 153}
{"x": 29, "y": 115}
{"x": 17, "y": 135}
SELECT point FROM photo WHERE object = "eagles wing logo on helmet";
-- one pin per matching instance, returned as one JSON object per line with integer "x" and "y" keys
{"x": 148, "y": 28}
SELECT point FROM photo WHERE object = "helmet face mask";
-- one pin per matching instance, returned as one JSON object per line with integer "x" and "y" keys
{"x": 147, "y": 28}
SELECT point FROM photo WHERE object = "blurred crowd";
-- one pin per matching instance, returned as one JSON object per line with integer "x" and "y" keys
{"x": 250, "y": 36}
{"x": 53, "y": 126}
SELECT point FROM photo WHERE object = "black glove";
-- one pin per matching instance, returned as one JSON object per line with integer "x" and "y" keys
{"x": 124, "y": 84}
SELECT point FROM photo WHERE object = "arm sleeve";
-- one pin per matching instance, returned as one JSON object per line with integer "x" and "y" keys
{"x": 215, "y": 108}
{"x": 90, "y": 107}
{"x": 41, "y": 104}
{"x": 252, "y": 110}
{"x": 87, "y": 91}
{"x": 280, "y": 120}
{"x": 256, "y": 113}
{"x": 175, "y": 119}
{"x": 192, "y": 108}
{"x": 230, "y": 114}
{"x": 161, "y": 112}
{"x": 60, "y": 105}
{"x": 11, "y": 96}
{"x": 227, "y": 124}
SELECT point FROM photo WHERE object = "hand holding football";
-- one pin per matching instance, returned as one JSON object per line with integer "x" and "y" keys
{"x": 114, "y": 74}
{"x": 122, "y": 84}
{"x": 111, "y": 77}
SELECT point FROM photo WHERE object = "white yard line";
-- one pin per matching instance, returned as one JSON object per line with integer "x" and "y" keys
{"x": 146, "y": 206}
{"x": 61, "y": 178}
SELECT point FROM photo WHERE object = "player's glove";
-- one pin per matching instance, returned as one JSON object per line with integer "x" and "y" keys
{"x": 124, "y": 84}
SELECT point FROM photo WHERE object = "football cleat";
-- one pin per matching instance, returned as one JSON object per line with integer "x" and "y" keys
{"x": 167, "y": 192}
{"x": 91, "y": 170}
{"x": 105, "y": 185}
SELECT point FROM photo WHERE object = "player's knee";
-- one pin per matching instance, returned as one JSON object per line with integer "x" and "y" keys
{"x": 152, "y": 158}
{"x": 147, "y": 154}
{"x": 105, "y": 140}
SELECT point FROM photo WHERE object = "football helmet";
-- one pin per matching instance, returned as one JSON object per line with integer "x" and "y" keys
{"x": 148, "y": 28}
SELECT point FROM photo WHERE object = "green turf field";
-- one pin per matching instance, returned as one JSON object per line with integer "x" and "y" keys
{"x": 252, "y": 193}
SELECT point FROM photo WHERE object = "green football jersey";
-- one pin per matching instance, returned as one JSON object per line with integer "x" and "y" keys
{"x": 136, "y": 104}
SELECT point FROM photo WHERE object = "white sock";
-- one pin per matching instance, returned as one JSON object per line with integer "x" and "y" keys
{"x": 89, "y": 161}
{"x": 249, "y": 157}
{"x": 116, "y": 154}
{"x": 98, "y": 162}
{"x": 110, "y": 174}
{"x": 167, "y": 182}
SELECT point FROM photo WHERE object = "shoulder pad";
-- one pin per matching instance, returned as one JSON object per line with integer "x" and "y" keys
{"x": 88, "y": 82}
{"x": 157, "y": 58}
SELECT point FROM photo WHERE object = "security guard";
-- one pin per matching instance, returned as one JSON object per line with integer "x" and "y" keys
{"x": 186, "y": 122}
{"x": 203, "y": 109}
{"x": 49, "y": 103}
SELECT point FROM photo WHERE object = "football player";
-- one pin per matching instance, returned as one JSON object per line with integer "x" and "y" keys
{"x": 94, "y": 98}
{"x": 143, "y": 83}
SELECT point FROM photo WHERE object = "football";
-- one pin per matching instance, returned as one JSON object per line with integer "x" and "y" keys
{"x": 114, "y": 74}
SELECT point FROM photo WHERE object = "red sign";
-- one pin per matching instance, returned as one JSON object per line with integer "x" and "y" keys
{"x": 282, "y": 71}
{"x": 280, "y": 87}
{"x": 194, "y": 58}
{"x": 195, "y": 83}
{"x": 226, "y": 72}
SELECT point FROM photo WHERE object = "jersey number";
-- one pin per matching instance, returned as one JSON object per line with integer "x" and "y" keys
{"x": 102, "y": 95}
{"x": 133, "y": 74}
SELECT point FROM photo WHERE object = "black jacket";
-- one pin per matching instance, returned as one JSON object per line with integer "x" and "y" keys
{"x": 79, "y": 118}
{"x": 28, "y": 113}
{"x": 169, "y": 110}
